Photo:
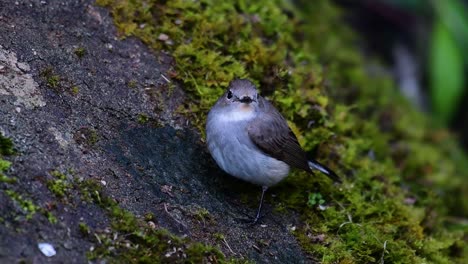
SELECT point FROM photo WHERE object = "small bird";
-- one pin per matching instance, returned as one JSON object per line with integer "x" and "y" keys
{"x": 249, "y": 139}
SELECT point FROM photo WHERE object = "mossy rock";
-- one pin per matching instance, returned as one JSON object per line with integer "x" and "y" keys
{"x": 404, "y": 179}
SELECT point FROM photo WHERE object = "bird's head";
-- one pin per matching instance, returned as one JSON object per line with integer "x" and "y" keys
{"x": 241, "y": 95}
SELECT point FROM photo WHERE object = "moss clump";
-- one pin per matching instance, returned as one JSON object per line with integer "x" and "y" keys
{"x": 149, "y": 216}
{"x": 133, "y": 241}
{"x": 4, "y": 166}
{"x": 202, "y": 215}
{"x": 6, "y": 146}
{"x": 403, "y": 178}
{"x": 59, "y": 185}
{"x": 75, "y": 90}
{"x": 142, "y": 119}
{"x": 86, "y": 136}
{"x": 84, "y": 228}
{"x": 80, "y": 52}
{"x": 52, "y": 79}
{"x": 4, "y": 178}
{"x": 132, "y": 84}
{"x": 28, "y": 206}
{"x": 315, "y": 199}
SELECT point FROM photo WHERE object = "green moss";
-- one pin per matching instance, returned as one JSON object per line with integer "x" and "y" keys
{"x": 149, "y": 216}
{"x": 219, "y": 236}
{"x": 80, "y": 52}
{"x": 93, "y": 137}
{"x": 202, "y": 215}
{"x": 134, "y": 241}
{"x": 86, "y": 136}
{"x": 315, "y": 199}
{"x": 75, "y": 90}
{"x": 142, "y": 119}
{"x": 84, "y": 228}
{"x": 52, "y": 79}
{"x": 6, "y": 146}
{"x": 403, "y": 177}
{"x": 5, "y": 179}
{"x": 59, "y": 185}
{"x": 28, "y": 206}
{"x": 4, "y": 165}
{"x": 132, "y": 84}
{"x": 50, "y": 216}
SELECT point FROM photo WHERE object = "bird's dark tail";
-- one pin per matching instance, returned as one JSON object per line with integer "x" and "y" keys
{"x": 315, "y": 165}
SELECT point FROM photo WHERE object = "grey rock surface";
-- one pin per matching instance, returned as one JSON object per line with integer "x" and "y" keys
{"x": 71, "y": 95}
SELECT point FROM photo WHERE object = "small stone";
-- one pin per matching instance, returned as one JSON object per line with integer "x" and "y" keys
{"x": 103, "y": 182}
{"x": 68, "y": 245}
{"x": 151, "y": 224}
{"x": 18, "y": 109}
{"x": 178, "y": 21}
{"x": 47, "y": 249}
{"x": 23, "y": 67}
{"x": 163, "y": 37}
{"x": 322, "y": 207}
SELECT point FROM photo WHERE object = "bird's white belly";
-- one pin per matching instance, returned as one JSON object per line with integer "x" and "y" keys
{"x": 236, "y": 154}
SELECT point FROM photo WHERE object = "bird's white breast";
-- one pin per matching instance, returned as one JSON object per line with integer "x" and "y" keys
{"x": 231, "y": 147}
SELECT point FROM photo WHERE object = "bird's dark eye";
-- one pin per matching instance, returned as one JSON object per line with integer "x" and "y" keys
{"x": 229, "y": 94}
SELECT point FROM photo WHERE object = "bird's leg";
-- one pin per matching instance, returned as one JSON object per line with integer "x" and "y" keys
{"x": 253, "y": 222}
{"x": 264, "y": 189}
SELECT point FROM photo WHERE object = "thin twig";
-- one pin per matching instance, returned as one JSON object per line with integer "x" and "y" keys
{"x": 383, "y": 252}
{"x": 165, "y": 78}
{"x": 227, "y": 245}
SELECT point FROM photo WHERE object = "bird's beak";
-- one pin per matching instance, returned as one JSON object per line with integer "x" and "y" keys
{"x": 246, "y": 99}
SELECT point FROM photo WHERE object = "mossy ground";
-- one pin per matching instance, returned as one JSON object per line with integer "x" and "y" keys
{"x": 27, "y": 206}
{"x": 404, "y": 180}
{"x": 132, "y": 240}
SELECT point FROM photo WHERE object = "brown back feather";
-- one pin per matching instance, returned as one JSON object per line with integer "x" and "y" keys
{"x": 271, "y": 134}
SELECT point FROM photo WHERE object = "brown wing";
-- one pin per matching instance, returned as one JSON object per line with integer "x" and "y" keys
{"x": 271, "y": 134}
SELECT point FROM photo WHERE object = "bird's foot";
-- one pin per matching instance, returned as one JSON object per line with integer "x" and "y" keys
{"x": 249, "y": 221}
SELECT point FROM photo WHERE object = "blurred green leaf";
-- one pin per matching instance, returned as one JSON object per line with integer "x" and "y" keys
{"x": 454, "y": 15}
{"x": 446, "y": 70}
